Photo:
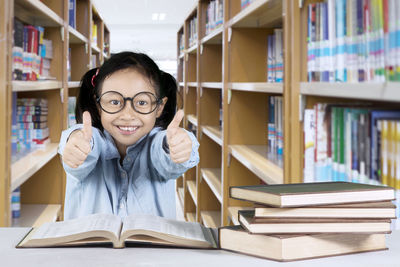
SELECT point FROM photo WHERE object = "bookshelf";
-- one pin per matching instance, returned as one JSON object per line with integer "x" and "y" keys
{"x": 224, "y": 76}
{"x": 39, "y": 173}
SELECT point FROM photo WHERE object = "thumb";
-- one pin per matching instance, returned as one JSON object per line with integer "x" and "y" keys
{"x": 176, "y": 120}
{"x": 87, "y": 125}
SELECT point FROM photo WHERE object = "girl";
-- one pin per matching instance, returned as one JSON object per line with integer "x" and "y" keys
{"x": 126, "y": 151}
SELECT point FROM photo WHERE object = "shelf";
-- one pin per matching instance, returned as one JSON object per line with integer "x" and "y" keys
{"x": 181, "y": 195}
{"x": 275, "y": 88}
{"x": 233, "y": 213}
{"x": 76, "y": 37}
{"x": 74, "y": 84}
{"x": 192, "y": 49}
{"x": 192, "y": 84}
{"x": 96, "y": 49}
{"x": 369, "y": 91}
{"x": 192, "y": 190}
{"x": 254, "y": 157}
{"x": 215, "y": 37}
{"x": 25, "y": 167}
{"x": 36, "y": 13}
{"x": 192, "y": 119}
{"x": 211, "y": 219}
{"x": 24, "y": 86}
{"x": 213, "y": 178}
{"x": 181, "y": 55}
{"x": 260, "y": 13}
{"x": 215, "y": 85}
{"x": 191, "y": 216}
{"x": 181, "y": 84}
{"x": 34, "y": 215}
{"x": 214, "y": 132}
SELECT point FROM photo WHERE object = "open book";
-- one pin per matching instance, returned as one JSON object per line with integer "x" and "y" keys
{"x": 108, "y": 228}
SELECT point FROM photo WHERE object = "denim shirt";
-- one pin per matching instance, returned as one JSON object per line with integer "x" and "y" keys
{"x": 142, "y": 184}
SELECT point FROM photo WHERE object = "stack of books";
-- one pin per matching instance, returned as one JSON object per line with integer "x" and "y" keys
{"x": 310, "y": 220}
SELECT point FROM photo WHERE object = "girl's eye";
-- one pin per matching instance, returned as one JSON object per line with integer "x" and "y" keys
{"x": 141, "y": 103}
{"x": 115, "y": 102}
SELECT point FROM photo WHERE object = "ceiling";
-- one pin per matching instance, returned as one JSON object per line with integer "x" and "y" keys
{"x": 132, "y": 28}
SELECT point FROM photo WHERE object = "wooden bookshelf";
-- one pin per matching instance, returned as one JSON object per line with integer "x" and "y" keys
{"x": 255, "y": 159}
{"x": 226, "y": 90}
{"x": 39, "y": 174}
{"x": 214, "y": 132}
{"x": 211, "y": 219}
{"x": 25, "y": 167}
{"x": 34, "y": 215}
{"x": 191, "y": 185}
{"x": 213, "y": 178}
{"x": 191, "y": 216}
{"x": 21, "y": 86}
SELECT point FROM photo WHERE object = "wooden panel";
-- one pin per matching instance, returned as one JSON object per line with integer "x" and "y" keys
{"x": 36, "y": 13}
{"x": 45, "y": 186}
{"x": 211, "y": 56}
{"x": 210, "y": 104}
{"x": 82, "y": 17}
{"x": 191, "y": 216}
{"x": 191, "y": 63}
{"x": 213, "y": 132}
{"x": 34, "y": 215}
{"x": 276, "y": 88}
{"x": 212, "y": 176}
{"x": 239, "y": 175}
{"x": 56, "y": 6}
{"x": 248, "y": 65}
{"x": 192, "y": 119}
{"x": 211, "y": 219}
{"x": 25, "y": 167}
{"x": 214, "y": 37}
{"x": 210, "y": 153}
{"x": 256, "y": 160}
{"x": 54, "y": 34}
{"x": 6, "y": 15}
{"x": 190, "y": 101}
{"x": 26, "y": 86}
{"x": 260, "y": 13}
{"x": 79, "y": 61}
{"x": 248, "y": 125}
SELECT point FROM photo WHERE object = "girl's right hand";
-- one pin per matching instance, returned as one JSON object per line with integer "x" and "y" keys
{"x": 78, "y": 145}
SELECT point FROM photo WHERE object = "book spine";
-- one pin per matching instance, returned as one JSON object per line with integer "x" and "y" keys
{"x": 309, "y": 132}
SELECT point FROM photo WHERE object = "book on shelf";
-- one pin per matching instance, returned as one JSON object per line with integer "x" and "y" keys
{"x": 72, "y": 13}
{"x": 103, "y": 229}
{"x": 297, "y": 246}
{"x": 311, "y": 225}
{"x": 353, "y": 41}
{"x": 308, "y": 194}
{"x": 382, "y": 209}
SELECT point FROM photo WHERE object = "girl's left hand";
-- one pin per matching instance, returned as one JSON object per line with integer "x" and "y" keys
{"x": 179, "y": 142}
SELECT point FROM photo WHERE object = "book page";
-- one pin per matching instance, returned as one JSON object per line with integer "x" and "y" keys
{"x": 180, "y": 229}
{"x": 95, "y": 222}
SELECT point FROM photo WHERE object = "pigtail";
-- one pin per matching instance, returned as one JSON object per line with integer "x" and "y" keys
{"x": 168, "y": 88}
{"x": 86, "y": 100}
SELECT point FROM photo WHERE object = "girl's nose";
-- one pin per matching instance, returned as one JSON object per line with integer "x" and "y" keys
{"x": 128, "y": 111}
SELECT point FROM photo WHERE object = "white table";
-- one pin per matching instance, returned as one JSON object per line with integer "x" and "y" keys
{"x": 144, "y": 256}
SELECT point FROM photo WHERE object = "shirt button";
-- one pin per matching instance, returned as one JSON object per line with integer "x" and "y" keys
{"x": 123, "y": 175}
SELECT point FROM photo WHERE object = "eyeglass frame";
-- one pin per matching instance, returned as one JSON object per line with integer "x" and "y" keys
{"x": 158, "y": 102}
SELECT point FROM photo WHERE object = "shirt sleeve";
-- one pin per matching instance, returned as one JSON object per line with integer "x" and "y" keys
{"x": 162, "y": 162}
{"x": 88, "y": 165}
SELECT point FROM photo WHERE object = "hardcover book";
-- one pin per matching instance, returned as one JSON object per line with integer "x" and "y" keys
{"x": 297, "y": 247}
{"x": 309, "y": 194}
{"x": 111, "y": 229}
{"x": 311, "y": 225}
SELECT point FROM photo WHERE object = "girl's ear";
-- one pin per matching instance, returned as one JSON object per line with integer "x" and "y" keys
{"x": 161, "y": 106}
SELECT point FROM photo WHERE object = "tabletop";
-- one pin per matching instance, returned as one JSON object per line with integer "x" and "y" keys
{"x": 148, "y": 256}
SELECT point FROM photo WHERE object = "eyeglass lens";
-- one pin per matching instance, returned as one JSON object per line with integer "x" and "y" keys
{"x": 113, "y": 102}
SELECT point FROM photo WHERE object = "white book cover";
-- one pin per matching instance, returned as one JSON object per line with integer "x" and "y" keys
{"x": 309, "y": 135}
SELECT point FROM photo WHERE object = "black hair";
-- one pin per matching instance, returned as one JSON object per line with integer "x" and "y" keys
{"x": 163, "y": 83}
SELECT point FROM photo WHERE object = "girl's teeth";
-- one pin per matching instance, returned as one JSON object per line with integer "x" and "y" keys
{"x": 130, "y": 129}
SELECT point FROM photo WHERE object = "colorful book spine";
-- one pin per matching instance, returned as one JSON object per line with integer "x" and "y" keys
{"x": 16, "y": 204}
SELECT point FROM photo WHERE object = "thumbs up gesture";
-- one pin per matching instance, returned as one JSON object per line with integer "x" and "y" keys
{"x": 78, "y": 145}
{"x": 179, "y": 142}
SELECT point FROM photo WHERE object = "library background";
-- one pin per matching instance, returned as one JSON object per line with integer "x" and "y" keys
{"x": 276, "y": 91}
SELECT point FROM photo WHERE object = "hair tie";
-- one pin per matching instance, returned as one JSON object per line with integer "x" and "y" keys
{"x": 94, "y": 76}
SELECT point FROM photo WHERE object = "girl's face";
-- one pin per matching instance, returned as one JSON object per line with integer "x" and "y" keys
{"x": 128, "y": 126}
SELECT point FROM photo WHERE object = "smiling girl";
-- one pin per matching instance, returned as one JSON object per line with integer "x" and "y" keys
{"x": 127, "y": 148}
